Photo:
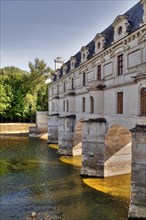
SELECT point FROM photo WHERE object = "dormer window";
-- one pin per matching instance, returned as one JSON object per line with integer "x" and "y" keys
{"x": 84, "y": 54}
{"x": 58, "y": 73}
{"x": 120, "y": 30}
{"x": 121, "y": 27}
{"x": 98, "y": 45}
{"x": 64, "y": 69}
{"x": 100, "y": 41}
{"x": 72, "y": 62}
{"x": 143, "y": 2}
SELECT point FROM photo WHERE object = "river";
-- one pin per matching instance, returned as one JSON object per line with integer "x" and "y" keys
{"x": 33, "y": 178}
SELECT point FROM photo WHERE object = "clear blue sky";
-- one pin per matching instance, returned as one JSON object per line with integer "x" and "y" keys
{"x": 47, "y": 29}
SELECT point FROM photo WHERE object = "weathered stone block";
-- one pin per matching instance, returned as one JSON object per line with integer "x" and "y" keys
{"x": 93, "y": 147}
{"x": 53, "y": 129}
{"x": 66, "y": 135}
{"x": 137, "y": 208}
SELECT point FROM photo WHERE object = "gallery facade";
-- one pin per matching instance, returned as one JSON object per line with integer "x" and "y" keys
{"x": 102, "y": 85}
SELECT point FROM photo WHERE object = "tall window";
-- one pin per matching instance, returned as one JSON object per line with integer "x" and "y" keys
{"x": 53, "y": 106}
{"x": 64, "y": 105}
{"x": 83, "y": 104}
{"x": 84, "y": 79}
{"x": 120, "y": 65}
{"x": 67, "y": 105}
{"x": 72, "y": 83}
{"x": 143, "y": 102}
{"x": 64, "y": 87}
{"x": 91, "y": 104}
{"x": 120, "y": 103}
{"x": 99, "y": 72}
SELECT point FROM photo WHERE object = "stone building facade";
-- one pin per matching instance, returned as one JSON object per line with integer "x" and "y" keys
{"x": 102, "y": 86}
{"x": 106, "y": 78}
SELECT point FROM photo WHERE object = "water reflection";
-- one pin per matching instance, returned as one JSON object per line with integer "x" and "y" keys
{"x": 34, "y": 179}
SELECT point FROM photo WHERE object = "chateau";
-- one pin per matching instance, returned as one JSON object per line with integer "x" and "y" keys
{"x": 102, "y": 86}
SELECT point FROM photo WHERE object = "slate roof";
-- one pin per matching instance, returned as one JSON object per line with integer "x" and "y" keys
{"x": 135, "y": 18}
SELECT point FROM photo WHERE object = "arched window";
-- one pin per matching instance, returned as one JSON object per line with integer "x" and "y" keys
{"x": 67, "y": 105}
{"x": 92, "y": 104}
{"x": 143, "y": 102}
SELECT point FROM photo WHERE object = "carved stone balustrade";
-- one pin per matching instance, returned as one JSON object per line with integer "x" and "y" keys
{"x": 70, "y": 92}
{"x": 55, "y": 96}
{"x": 96, "y": 85}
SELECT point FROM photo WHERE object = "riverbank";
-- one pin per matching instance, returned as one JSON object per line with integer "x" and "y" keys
{"x": 20, "y": 129}
{"x": 15, "y": 128}
{"x": 117, "y": 186}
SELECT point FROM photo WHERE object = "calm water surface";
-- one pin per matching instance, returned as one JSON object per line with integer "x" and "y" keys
{"x": 34, "y": 179}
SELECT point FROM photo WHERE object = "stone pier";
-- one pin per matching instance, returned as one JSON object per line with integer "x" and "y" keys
{"x": 93, "y": 147}
{"x": 137, "y": 208}
{"x": 53, "y": 129}
{"x": 66, "y": 125}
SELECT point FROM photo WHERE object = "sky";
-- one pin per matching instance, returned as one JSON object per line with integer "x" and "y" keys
{"x": 47, "y": 29}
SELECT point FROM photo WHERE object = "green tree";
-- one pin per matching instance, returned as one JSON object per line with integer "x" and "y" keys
{"x": 38, "y": 88}
{"x": 23, "y": 93}
{"x": 11, "y": 93}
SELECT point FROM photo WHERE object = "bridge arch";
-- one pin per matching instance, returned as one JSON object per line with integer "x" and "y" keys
{"x": 117, "y": 150}
{"x": 122, "y": 121}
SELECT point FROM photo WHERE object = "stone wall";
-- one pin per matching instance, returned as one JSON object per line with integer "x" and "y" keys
{"x": 42, "y": 121}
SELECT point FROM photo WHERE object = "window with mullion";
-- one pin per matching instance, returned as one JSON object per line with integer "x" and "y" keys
{"x": 120, "y": 103}
{"x": 143, "y": 102}
{"x": 120, "y": 65}
{"x": 99, "y": 72}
